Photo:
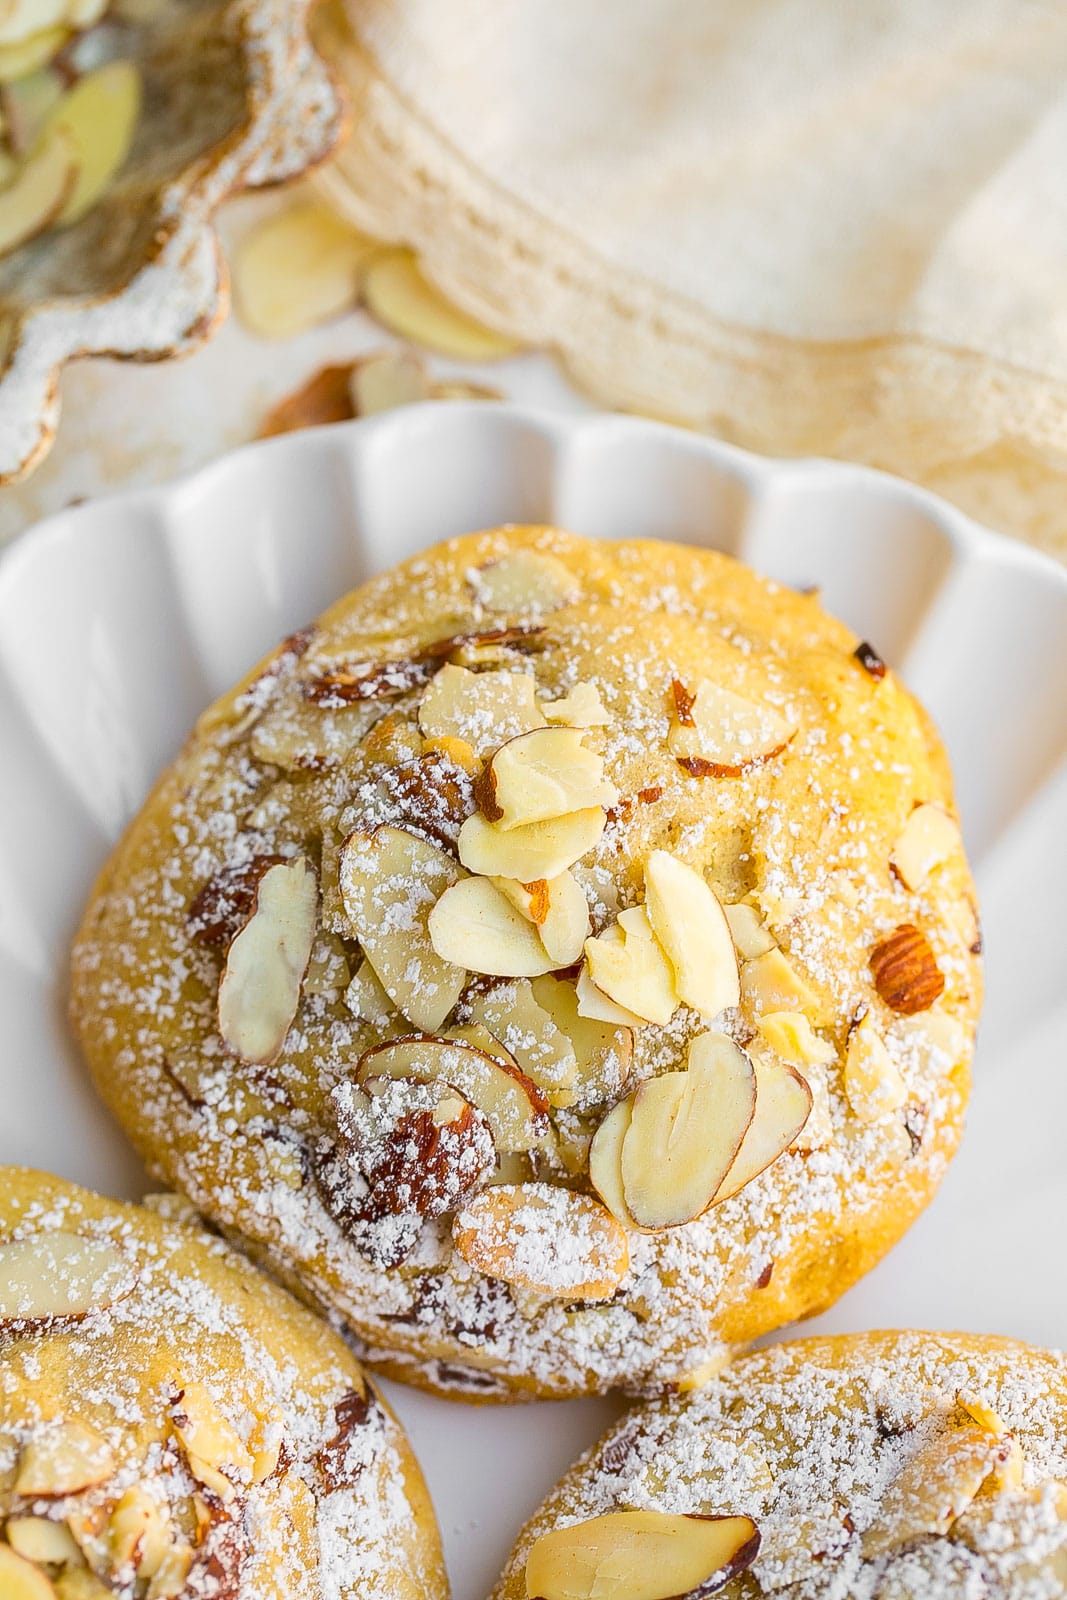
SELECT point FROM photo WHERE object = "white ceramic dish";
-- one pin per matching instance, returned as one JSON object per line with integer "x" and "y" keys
{"x": 119, "y": 620}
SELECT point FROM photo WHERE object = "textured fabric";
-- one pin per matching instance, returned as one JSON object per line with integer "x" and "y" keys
{"x": 806, "y": 225}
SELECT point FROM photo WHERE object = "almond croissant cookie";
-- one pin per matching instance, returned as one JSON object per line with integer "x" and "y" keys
{"x": 881, "y": 1466}
{"x": 172, "y": 1424}
{"x": 560, "y": 960}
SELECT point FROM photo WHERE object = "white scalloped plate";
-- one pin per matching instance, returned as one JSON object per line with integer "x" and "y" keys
{"x": 121, "y": 619}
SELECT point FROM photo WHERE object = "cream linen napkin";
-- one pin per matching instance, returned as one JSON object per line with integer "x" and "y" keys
{"x": 811, "y": 226}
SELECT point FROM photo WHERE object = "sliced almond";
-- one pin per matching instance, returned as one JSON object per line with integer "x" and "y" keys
{"x": 872, "y": 1083}
{"x": 474, "y": 926}
{"x": 216, "y": 1454}
{"x": 544, "y": 1238}
{"x": 20, "y": 1580}
{"x": 295, "y": 736}
{"x": 751, "y": 938}
{"x": 691, "y": 926}
{"x": 220, "y": 909}
{"x": 64, "y": 1457}
{"x": 59, "y": 1275}
{"x": 594, "y": 1005}
{"x": 514, "y": 1107}
{"x": 529, "y": 1036}
{"x": 541, "y": 775}
{"x": 929, "y": 837}
{"x": 558, "y": 909}
{"x": 323, "y": 398}
{"x": 366, "y": 999}
{"x": 50, "y": 1544}
{"x": 138, "y": 1533}
{"x": 20, "y": 58}
{"x": 422, "y": 1147}
{"x": 605, "y": 1160}
{"x": 525, "y": 581}
{"x": 538, "y": 850}
{"x": 387, "y": 380}
{"x": 783, "y": 1106}
{"x": 481, "y": 708}
{"x": 297, "y": 268}
{"x": 580, "y": 707}
{"x": 685, "y": 1132}
{"x": 627, "y": 963}
{"x": 771, "y": 983}
{"x": 98, "y": 117}
{"x": 715, "y": 732}
{"x": 390, "y": 880}
{"x": 400, "y": 297}
{"x": 641, "y": 1555}
{"x": 905, "y": 971}
{"x": 934, "y": 1487}
{"x": 791, "y": 1036}
{"x": 169, "y": 1581}
{"x": 36, "y": 195}
{"x": 603, "y": 1052}
{"x": 259, "y": 991}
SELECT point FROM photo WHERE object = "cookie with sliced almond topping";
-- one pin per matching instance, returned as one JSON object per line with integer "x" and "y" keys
{"x": 173, "y": 1424}
{"x": 881, "y": 1466}
{"x": 560, "y": 959}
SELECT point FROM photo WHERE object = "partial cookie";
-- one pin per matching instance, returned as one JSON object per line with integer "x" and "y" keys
{"x": 172, "y": 1424}
{"x": 883, "y": 1466}
{"x": 560, "y": 959}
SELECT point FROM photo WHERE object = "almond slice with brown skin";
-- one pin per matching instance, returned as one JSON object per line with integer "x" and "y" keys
{"x": 474, "y": 926}
{"x": 540, "y": 775}
{"x": 685, "y": 1132}
{"x": 390, "y": 880}
{"x": 421, "y": 1147}
{"x": 56, "y": 1275}
{"x": 544, "y": 1238}
{"x": 63, "y": 1458}
{"x": 536, "y": 850}
{"x": 935, "y": 1486}
{"x": 641, "y": 1555}
{"x": 717, "y": 733}
{"x": 525, "y": 581}
{"x": 513, "y": 1106}
{"x": 691, "y": 925}
{"x": 259, "y": 991}
{"x": 783, "y": 1105}
{"x": 21, "y": 1580}
{"x": 905, "y": 971}
{"x": 558, "y": 909}
{"x": 626, "y": 962}
{"x": 926, "y": 840}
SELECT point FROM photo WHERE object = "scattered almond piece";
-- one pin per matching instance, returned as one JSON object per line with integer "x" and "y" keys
{"x": 138, "y": 1533}
{"x": 259, "y": 991}
{"x": 791, "y": 1036}
{"x": 474, "y": 926}
{"x": 640, "y": 1555}
{"x": 535, "y": 850}
{"x": 594, "y": 1005}
{"x": 387, "y": 380}
{"x": 422, "y": 1147}
{"x": 513, "y": 1106}
{"x": 60, "y": 1275}
{"x": 927, "y": 839}
{"x": 934, "y": 1487}
{"x": 872, "y": 1083}
{"x": 626, "y": 962}
{"x": 905, "y": 970}
{"x": 715, "y": 732}
{"x": 558, "y": 909}
{"x": 98, "y": 117}
{"x": 400, "y": 297}
{"x": 481, "y": 708}
{"x": 581, "y": 707}
{"x": 325, "y": 397}
{"x": 544, "y": 1238}
{"x": 541, "y": 775}
{"x": 771, "y": 983}
{"x": 783, "y": 1106}
{"x": 691, "y": 926}
{"x": 296, "y": 268}
{"x": 20, "y": 1580}
{"x": 982, "y": 1413}
{"x": 63, "y": 1458}
{"x": 525, "y": 581}
{"x": 751, "y": 938}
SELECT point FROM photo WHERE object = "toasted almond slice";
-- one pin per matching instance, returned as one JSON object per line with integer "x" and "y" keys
{"x": 783, "y": 1105}
{"x": 751, "y": 938}
{"x": 259, "y": 991}
{"x": 872, "y": 1083}
{"x": 525, "y": 581}
{"x": 982, "y": 1412}
{"x": 481, "y": 708}
{"x": 603, "y": 1052}
{"x": 64, "y": 1457}
{"x": 98, "y": 117}
{"x": 58, "y": 1275}
{"x": 538, "y": 850}
{"x": 790, "y": 1035}
{"x": 387, "y": 380}
{"x": 216, "y": 1454}
{"x": 627, "y": 963}
{"x": 772, "y": 983}
{"x": 540, "y": 775}
{"x": 716, "y": 732}
{"x": 20, "y": 1580}
{"x": 926, "y": 840}
{"x": 475, "y": 926}
{"x": 691, "y": 926}
{"x": 38, "y": 192}
{"x": 594, "y": 1005}
{"x": 558, "y": 909}
{"x": 389, "y": 881}
{"x": 934, "y": 1487}
{"x": 905, "y": 971}
{"x": 20, "y": 58}
{"x": 513, "y": 1106}
{"x": 422, "y": 1147}
{"x": 685, "y": 1132}
{"x": 366, "y": 999}
{"x": 400, "y": 297}
{"x": 138, "y": 1533}
{"x": 50, "y": 1544}
{"x": 544, "y": 1238}
{"x": 605, "y": 1160}
{"x": 640, "y": 1555}
{"x": 529, "y": 1037}
{"x": 296, "y": 268}
{"x": 581, "y": 707}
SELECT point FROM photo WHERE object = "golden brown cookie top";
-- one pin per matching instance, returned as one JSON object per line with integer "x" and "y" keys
{"x": 888, "y": 1465}
{"x": 172, "y": 1423}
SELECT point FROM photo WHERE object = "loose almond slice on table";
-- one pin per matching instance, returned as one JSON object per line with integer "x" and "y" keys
{"x": 537, "y": 850}
{"x": 691, "y": 925}
{"x": 558, "y": 909}
{"x": 627, "y": 963}
{"x": 543, "y": 1238}
{"x": 481, "y": 708}
{"x": 783, "y": 1105}
{"x": 927, "y": 839}
{"x": 59, "y": 1275}
{"x": 717, "y": 733}
{"x": 259, "y": 992}
{"x": 63, "y": 1458}
{"x": 513, "y": 1106}
{"x": 525, "y": 581}
{"x": 686, "y": 1129}
{"x": 603, "y": 1051}
{"x": 580, "y": 707}
{"x": 36, "y": 195}
{"x": 98, "y": 116}
{"x": 641, "y": 1555}
{"x": 21, "y": 1580}
{"x": 297, "y": 268}
{"x": 400, "y": 297}
{"x": 540, "y": 775}
{"x": 476, "y": 927}
{"x": 905, "y": 971}
{"x": 935, "y": 1486}
{"x": 387, "y": 380}
{"x": 873, "y": 1085}
{"x": 528, "y": 1035}
{"x": 390, "y": 880}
